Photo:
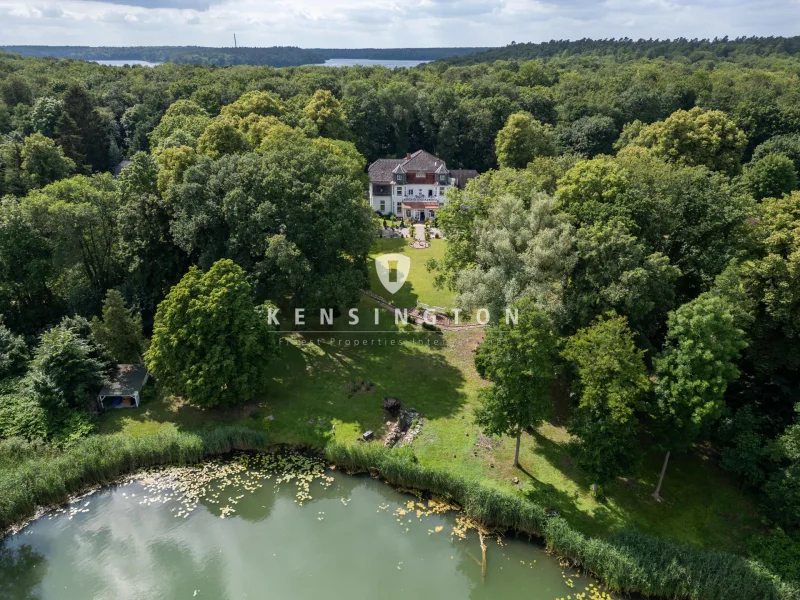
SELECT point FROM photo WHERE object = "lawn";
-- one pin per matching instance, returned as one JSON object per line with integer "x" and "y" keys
{"x": 310, "y": 399}
{"x": 419, "y": 286}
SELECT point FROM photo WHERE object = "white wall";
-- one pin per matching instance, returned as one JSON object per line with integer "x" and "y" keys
{"x": 420, "y": 191}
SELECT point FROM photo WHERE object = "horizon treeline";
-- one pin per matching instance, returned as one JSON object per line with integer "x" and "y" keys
{"x": 275, "y": 56}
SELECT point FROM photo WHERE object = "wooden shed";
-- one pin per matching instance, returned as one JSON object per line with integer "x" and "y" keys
{"x": 125, "y": 387}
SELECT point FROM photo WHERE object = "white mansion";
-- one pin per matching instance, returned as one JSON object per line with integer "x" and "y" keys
{"x": 413, "y": 187}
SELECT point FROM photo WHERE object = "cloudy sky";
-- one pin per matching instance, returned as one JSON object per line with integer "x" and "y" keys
{"x": 382, "y": 23}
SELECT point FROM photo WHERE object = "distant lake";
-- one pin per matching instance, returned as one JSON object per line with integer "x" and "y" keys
{"x": 365, "y": 62}
{"x": 124, "y": 63}
{"x": 331, "y": 62}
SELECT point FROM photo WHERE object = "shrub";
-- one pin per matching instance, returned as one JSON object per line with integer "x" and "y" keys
{"x": 64, "y": 372}
{"x": 780, "y": 552}
{"x": 13, "y": 353}
{"x": 391, "y": 405}
{"x": 20, "y": 414}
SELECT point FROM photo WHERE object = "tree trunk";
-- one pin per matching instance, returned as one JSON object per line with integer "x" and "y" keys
{"x": 594, "y": 490}
{"x": 519, "y": 438}
{"x": 657, "y": 493}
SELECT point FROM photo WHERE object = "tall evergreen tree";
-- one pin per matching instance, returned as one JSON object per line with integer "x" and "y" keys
{"x": 81, "y": 131}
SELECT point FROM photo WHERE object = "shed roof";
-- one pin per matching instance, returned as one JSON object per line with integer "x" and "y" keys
{"x": 128, "y": 380}
{"x": 120, "y": 166}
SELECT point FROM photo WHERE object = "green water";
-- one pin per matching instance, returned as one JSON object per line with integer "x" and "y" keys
{"x": 345, "y": 543}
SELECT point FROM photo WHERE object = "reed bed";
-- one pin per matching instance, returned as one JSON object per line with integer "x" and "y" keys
{"x": 628, "y": 561}
{"x": 43, "y": 477}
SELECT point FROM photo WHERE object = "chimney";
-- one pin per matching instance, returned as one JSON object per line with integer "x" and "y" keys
{"x": 408, "y": 156}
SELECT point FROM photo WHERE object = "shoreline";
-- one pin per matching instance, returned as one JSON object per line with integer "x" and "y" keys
{"x": 626, "y": 562}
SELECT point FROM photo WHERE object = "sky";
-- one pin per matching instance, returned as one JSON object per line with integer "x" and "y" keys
{"x": 382, "y": 23}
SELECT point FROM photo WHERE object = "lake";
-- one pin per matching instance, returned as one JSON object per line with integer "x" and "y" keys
{"x": 244, "y": 529}
{"x": 124, "y": 63}
{"x": 331, "y": 62}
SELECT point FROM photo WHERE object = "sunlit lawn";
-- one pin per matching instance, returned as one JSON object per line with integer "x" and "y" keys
{"x": 419, "y": 286}
{"x": 310, "y": 400}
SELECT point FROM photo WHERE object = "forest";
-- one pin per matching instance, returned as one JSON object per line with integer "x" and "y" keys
{"x": 680, "y": 49}
{"x": 639, "y": 203}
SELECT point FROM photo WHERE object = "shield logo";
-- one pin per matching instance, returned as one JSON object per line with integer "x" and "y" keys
{"x": 393, "y": 270}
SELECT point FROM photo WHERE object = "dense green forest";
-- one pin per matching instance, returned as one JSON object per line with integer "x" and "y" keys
{"x": 285, "y": 56}
{"x": 679, "y": 49}
{"x": 638, "y": 202}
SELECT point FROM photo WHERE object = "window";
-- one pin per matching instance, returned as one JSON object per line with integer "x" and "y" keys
{"x": 441, "y": 191}
{"x": 430, "y": 193}
{"x": 410, "y": 193}
{"x": 399, "y": 209}
{"x": 399, "y": 191}
{"x": 408, "y": 213}
{"x": 400, "y": 178}
{"x": 383, "y": 205}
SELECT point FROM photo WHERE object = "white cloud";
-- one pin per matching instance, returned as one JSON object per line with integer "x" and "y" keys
{"x": 383, "y": 23}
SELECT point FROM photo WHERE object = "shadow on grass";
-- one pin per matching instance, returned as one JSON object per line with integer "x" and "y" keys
{"x": 420, "y": 284}
{"x": 326, "y": 385}
{"x": 603, "y": 518}
{"x": 343, "y": 378}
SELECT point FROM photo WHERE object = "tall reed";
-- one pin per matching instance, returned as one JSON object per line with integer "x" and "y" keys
{"x": 47, "y": 477}
{"x": 628, "y": 561}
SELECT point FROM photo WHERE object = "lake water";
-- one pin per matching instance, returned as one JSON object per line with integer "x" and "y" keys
{"x": 337, "y": 537}
{"x": 331, "y": 62}
{"x": 123, "y": 63}
{"x": 389, "y": 64}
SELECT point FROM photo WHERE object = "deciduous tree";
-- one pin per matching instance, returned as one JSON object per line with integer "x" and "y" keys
{"x": 696, "y": 137}
{"x": 521, "y": 140}
{"x": 613, "y": 382}
{"x": 43, "y": 162}
{"x": 771, "y": 176}
{"x": 519, "y": 359}
{"x": 210, "y": 344}
{"x": 694, "y": 370}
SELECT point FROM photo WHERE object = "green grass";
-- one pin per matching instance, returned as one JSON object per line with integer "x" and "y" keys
{"x": 311, "y": 401}
{"x": 419, "y": 286}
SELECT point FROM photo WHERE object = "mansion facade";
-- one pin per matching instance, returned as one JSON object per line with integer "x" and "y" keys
{"x": 414, "y": 187}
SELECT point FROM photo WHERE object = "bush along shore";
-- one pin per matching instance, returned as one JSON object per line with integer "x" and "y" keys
{"x": 627, "y": 561}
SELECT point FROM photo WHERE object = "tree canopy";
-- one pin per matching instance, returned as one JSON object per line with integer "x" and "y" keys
{"x": 210, "y": 343}
{"x": 518, "y": 358}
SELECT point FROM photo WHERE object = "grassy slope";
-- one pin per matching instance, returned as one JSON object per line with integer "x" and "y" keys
{"x": 311, "y": 400}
